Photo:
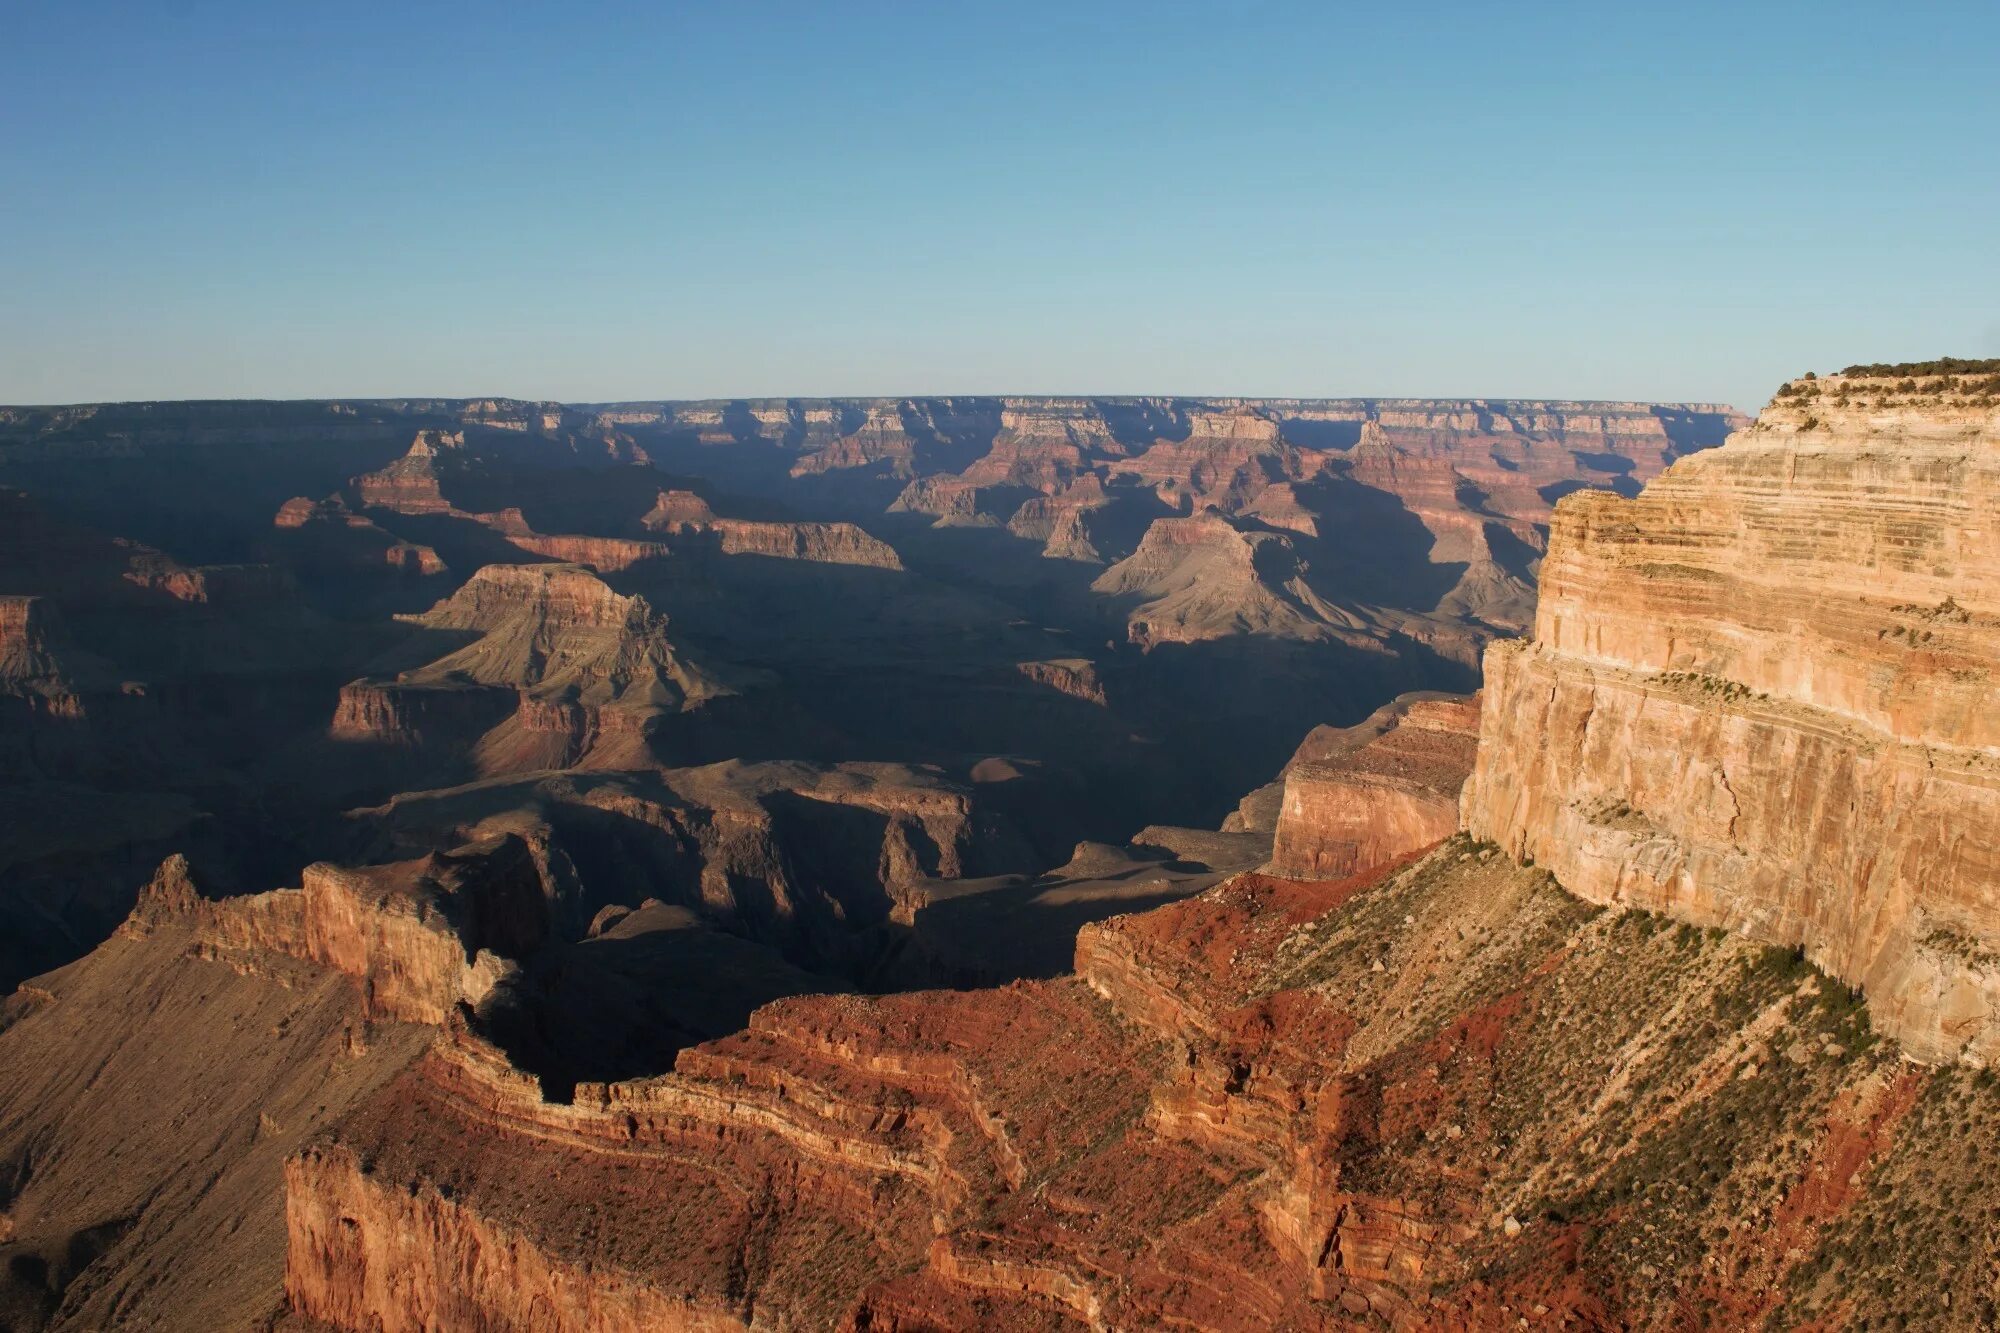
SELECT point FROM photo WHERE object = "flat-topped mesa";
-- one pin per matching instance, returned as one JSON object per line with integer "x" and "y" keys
{"x": 690, "y": 522}
{"x": 562, "y": 667}
{"x": 1378, "y": 792}
{"x": 676, "y": 508}
{"x": 1760, "y": 695}
{"x": 416, "y": 714}
{"x": 557, "y": 596}
{"x": 1074, "y": 676}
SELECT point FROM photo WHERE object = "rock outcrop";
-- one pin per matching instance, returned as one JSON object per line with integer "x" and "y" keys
{"x": 334, "y": 536}
{"x": 1392, "y": 792}
{"x": 560, "y": 671}
{"x": 150, "y": 1094}
{"x": 39, "y": 673}
{"x": 558, "y": 631}
{"x": 1225, "y": 460}
{"x": 1448, "y": 1096}
{"x": 1759, "y": 696}
{"x": 689, "y": 519}
{"x": 413, "y": 484}
{"x": 418, "y": 938}
{"x": 1206, "y": 577}
{"x": 811, "y": 860}
{"x": 1075, "y": 676}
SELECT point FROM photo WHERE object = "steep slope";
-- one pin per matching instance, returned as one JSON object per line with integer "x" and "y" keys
{"x": 1205, "y": 577}
{"x": 583, "y": 670}
{"x": 1760, "y": 696}
{"x": 148, "y": 1101}
{"x": 1452, "y": 1097}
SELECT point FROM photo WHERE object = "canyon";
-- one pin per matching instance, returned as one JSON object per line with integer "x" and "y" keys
{"x": 966, "y": 863}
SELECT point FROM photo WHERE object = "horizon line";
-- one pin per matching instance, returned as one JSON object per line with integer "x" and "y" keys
{"x": 874, "y": 397}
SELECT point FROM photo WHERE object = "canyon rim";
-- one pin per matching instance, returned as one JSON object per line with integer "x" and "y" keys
{"x": 702, "y": 910}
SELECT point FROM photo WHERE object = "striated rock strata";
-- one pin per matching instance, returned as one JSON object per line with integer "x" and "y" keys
{"x": 1448, "y": 1096}
{"x": 1760, "y": 696}
{"x": 1380, "y": 799}
{"x": 690, "y": 519}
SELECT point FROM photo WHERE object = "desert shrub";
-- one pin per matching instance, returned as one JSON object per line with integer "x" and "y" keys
{"x": 1944, "y": 365}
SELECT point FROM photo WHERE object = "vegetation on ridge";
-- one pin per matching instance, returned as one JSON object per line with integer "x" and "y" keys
{"x": 1944, "y": 365}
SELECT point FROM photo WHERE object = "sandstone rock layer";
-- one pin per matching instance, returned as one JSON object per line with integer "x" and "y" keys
{"x": 1389, "y": 796}
{"x": 1761, "y": 696}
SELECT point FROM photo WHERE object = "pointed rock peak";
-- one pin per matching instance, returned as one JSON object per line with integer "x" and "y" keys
{"x": 170, "y": 893}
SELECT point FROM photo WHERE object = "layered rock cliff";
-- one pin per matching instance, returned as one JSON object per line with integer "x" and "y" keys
{"x": 560, "y": 631}
{"x": 1759, "y": 696}
{"x": 1393, "y": 791}
{"x": 1450, "y": 1096}
{"x": 418, "y": 938}
{"x": 689, "y": 518}
{"x": 38, "y": 670}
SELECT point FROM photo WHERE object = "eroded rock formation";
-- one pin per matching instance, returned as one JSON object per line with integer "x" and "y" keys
{"x": 1759, "y": 696}
{"x": 579, "y": 659}
{"x": 684, "y": 515}
{"x": 1390, "y": 790}
{"x": 1450, "y": 1096}
{"x": 335, "y": 535}
{"x": 1206, "y": 577}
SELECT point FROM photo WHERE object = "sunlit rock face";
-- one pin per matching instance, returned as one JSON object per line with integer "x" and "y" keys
{"x": 1386, "y": 797}
{"x": 1760, "y": 696}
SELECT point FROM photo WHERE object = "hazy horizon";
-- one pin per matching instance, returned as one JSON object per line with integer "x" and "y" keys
{"x": 643, "y": 399}
{"x": 797, "y": 201}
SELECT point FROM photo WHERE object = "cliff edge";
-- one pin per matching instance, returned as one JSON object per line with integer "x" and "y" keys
{"x": 1760, "y": 696}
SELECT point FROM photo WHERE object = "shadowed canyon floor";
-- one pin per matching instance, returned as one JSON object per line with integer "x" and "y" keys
{"x": 974, "y": 864}
{"x": 225, "y": 625}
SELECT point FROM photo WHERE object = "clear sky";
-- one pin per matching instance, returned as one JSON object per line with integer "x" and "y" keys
{"x": 656, "y": 200}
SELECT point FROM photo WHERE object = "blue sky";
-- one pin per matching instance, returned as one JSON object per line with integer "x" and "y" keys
{"x": 624, "y": 201}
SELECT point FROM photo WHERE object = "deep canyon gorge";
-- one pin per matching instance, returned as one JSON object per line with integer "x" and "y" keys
{"x": 1003, "y": 863}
